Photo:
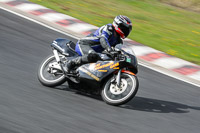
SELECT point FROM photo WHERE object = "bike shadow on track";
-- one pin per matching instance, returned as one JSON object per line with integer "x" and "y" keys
{"x": 158, "y": 106}
{"x": 79, "y": 92}
{"x": 142, "y": 103}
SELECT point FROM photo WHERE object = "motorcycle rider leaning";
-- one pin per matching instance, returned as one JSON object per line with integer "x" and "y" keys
{"x": 102, "y": 39}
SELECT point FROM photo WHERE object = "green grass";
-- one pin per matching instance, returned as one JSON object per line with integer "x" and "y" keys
{"x": 166, "y": 28}
{"x": 193, "y": 5}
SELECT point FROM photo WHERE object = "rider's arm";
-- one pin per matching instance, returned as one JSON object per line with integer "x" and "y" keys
{"x": 105, "y": 34}
{"x": 120, "y": 41}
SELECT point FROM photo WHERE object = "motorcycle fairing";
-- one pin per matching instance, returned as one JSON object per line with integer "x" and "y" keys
{"x": 132, "y": 62}
{"x": 97, "y": 71}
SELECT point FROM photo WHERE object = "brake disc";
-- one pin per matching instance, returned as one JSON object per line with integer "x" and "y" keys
{"x": 114, "y": 89}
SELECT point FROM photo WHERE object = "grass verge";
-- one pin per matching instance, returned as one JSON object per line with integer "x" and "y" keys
{"x": 172, "y": 30}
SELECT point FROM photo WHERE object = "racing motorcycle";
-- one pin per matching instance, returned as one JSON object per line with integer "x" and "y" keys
{"x": 114, "y": 76}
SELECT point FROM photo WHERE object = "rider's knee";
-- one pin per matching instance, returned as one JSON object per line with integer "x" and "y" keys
{"x": 93, "y": 57}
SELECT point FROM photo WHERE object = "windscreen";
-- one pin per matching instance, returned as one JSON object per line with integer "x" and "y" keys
{"x": 126, "y": 48}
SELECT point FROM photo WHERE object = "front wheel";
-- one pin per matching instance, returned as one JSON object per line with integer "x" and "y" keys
{"x": 50, "y": 73}
{"x": 114, "y": 95}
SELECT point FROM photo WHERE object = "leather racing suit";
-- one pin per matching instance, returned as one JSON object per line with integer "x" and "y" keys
{"x": 88, "y": 47}
{"x": 101, "y": 39}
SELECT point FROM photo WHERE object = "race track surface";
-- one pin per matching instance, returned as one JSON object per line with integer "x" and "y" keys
{"x": 162, "y": 104}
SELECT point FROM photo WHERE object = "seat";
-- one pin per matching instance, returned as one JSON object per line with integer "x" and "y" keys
{"x": 71, "y": 45}
{"x": 65, "y": 46}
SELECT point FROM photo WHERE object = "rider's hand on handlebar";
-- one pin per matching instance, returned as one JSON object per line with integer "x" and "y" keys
{"x": 111, "y": 53}
{"x": 109, "y": 49}
{"x": 114, "y": 54}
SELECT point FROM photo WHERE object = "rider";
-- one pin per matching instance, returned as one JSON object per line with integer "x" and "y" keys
{"x": 102, "y": 39}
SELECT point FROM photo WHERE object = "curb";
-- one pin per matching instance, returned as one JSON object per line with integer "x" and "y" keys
{"x": 146, "y": 55}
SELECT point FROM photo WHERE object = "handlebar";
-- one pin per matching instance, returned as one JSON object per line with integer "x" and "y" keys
{"x": 115, "y": 55}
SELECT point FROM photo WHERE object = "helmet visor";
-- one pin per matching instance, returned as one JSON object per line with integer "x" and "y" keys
{"x": 125, "y": 28}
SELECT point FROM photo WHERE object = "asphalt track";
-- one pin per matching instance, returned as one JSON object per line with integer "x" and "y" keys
{"x": 162, "y": 105}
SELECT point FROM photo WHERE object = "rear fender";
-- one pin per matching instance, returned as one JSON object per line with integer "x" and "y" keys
{"x": 64, "y": 47}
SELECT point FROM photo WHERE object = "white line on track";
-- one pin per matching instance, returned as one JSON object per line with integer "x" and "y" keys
{"x": 78, "y": 38}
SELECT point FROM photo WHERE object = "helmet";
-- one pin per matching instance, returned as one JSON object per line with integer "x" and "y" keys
{"x": 122, "y": 25}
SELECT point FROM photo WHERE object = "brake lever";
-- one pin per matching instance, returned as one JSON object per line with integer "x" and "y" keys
{"x": 112, "y": 54}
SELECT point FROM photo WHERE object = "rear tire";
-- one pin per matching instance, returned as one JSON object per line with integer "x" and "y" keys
{"x": 113, "y": 95}
{"x": 46, "y": 78}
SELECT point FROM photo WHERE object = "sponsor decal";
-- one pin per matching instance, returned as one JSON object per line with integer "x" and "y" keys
{"x": 115, "y": 65}
{"x": 116, "y": 68}
{"x": 111, "y": 64}
{"x": 89, "y": 73}
{"x": 103, "y": 66}
{"x": 102, "y": 70}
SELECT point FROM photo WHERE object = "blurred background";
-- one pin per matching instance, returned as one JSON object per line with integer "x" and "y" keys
{"x": 171, "y": 26}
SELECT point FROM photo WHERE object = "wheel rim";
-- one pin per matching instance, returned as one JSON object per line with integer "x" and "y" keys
{"x": 117, "y": 94}
{"x": 114, "y": 89}
{"x": 45, "y": 73}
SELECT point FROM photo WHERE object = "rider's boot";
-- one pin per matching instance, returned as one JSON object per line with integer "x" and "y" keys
{"x": 78, "y": 61}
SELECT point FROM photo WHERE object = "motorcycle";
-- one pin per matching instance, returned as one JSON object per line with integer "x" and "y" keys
{"x": 114, "y": 76}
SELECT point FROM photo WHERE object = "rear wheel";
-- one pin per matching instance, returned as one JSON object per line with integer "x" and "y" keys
{"x": 50, "y": 73}
{"x": 114, "y": 95}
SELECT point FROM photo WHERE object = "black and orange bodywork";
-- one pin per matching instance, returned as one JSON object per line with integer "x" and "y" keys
{"x": 95, "y": 73}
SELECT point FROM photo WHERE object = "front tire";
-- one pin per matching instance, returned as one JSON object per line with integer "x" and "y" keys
{"x": 114, "y": 95}
{"x": 48, "y": 78}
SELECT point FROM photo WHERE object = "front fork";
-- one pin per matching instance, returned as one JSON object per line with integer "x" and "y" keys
{"x": 117, "y": 79}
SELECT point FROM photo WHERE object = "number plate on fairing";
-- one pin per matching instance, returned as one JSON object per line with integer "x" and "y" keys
{"x": 128, "y": 60}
